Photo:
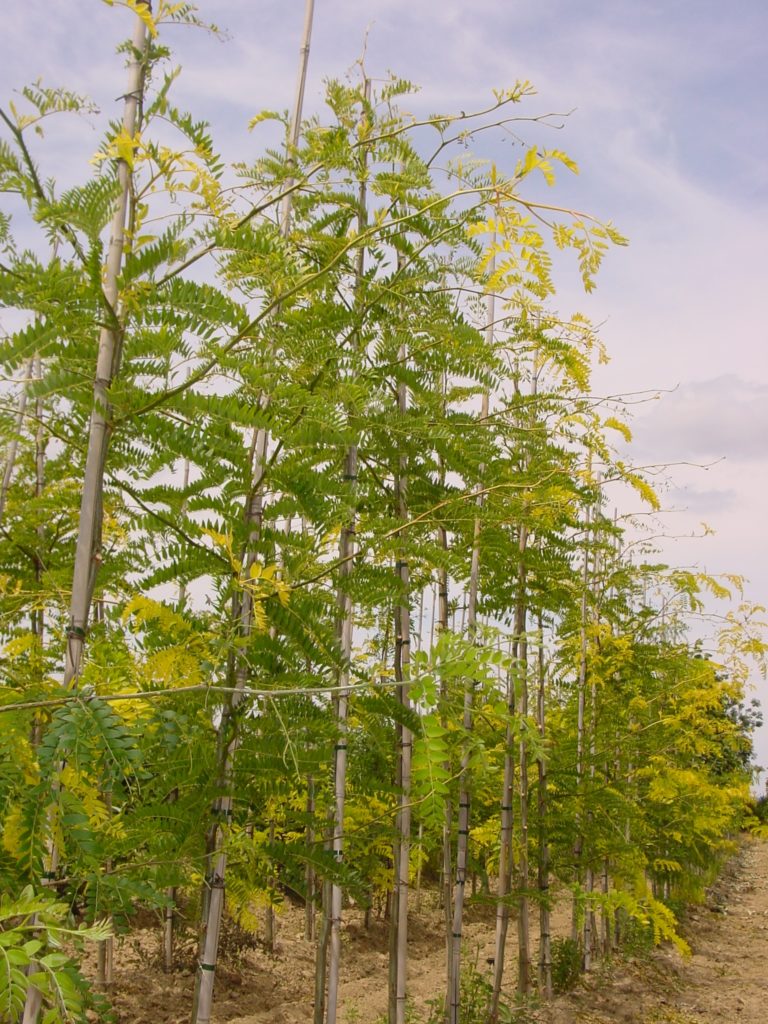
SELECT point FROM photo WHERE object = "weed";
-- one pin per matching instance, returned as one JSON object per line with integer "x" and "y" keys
{"x": 566, "y": 964}
{"x": 637, "y": 939}
{"x": 475, "y": 998}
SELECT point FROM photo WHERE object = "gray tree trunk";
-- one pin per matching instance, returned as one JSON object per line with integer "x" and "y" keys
{"x": 13, "y": 444}
{"x": 545, "y": 940}
{"x": 214, "y": 889}
{"x": 453, "y": 996}
{"x": 87, "y": 553}
{"x": 346, "y": 631}
{"x": 402, "y": 670}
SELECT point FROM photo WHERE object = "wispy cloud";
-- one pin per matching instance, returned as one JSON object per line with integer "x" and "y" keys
{"x": 723, "y": 417}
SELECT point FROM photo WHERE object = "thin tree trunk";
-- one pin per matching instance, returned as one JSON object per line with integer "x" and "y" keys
{"x": 402, "y": 669}
{"x": 505, "y": 853}
{"x": 433, "y": 598}
{"x": 462, "y": 840}
{"x": 170, "y": 893}
{"x": 34, "y": 999}
{"x": 523, "y": 926}
{"x": 578, "y": 847}
{"x": 590, "y": 925}
{"x": 447, "y": 850}
{"x": 523, "y": 919}
{"x": 87, "y": 553}
{"x": 40, "y": 446}
{"x": 507, "y": 796}
{"x": 321, "y": 957}
{"x": 442, "y": 625}
{"x": 106, "y": 947}
{"x": 38, "y": 614}
{"x": 605, "y": 916}
{"x": 453, "y": 1000}
{"x": 545, "y": 942}
{"x": 346, "y": 550}
{"x": 169, "y": 917}
{"x": 13, "y": 444}
{"x": 269, "y": 917}
{"x": 214, "y": 888}
{"x": 309, "y": 875}
{"x": 346, "y": 620}
{"x": 419, "y": 869}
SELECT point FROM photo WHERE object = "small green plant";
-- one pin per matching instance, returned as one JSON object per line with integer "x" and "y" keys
{"x": 566, "y": 964}
{"x": 637, "y": 939}
{"x": 33, "y": 929}
{"x": 352, "y": 1014}
{"x": 475, "y": 998}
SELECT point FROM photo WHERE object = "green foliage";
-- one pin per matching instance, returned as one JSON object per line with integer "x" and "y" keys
{"x": 566, "y": 963}
{"x": 475, "y": 994}
{"x": 216, "y": 601}
{"x": 33, "y": 927}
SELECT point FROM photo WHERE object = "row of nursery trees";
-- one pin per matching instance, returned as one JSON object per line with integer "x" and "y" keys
{"x": 310, "y": 586}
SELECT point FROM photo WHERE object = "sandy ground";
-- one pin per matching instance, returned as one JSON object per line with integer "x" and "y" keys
{"x": 725, "y": 979}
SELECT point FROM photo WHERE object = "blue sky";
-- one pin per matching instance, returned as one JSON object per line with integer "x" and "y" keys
{"x": 669, "y": 128}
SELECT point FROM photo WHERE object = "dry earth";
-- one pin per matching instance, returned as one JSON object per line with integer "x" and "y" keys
{"x": 725, "y": 979}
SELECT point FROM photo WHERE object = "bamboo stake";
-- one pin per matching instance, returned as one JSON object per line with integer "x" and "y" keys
{"x": 298, "y": 107}
{"x": 87, "y": 553}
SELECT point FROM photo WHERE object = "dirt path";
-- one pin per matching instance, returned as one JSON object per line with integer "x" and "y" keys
{"x": 725, "y": 979}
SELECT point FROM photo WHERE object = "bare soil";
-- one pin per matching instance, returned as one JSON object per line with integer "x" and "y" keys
{"x": 725, "y": 979}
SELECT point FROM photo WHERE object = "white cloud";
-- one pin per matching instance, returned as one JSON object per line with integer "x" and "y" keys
{"x": 722, "y": 417}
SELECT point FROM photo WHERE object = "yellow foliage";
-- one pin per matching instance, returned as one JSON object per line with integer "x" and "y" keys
{"x": 122, "y": 147}
{"x": 11, "y": 838}
{"x": 173, "y": 666}
{"x": 19, "y": 645}
{"x": 88, "y": 794}
{"x": 141, "y": 610}
{"x": 612, "y": 423}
